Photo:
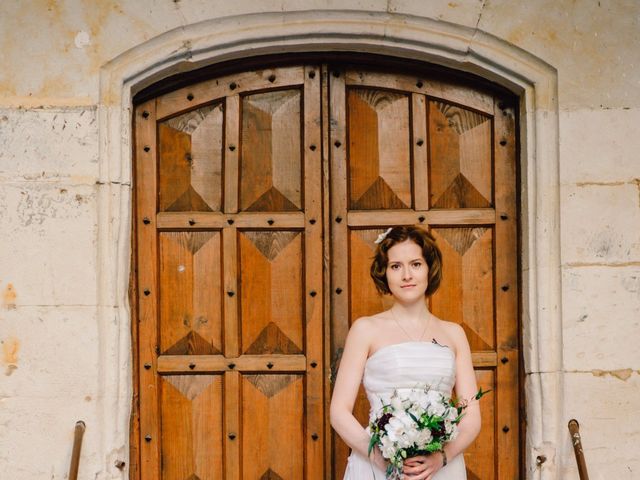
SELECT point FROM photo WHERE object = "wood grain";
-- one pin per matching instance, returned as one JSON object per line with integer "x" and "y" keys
{"x": 339, "y": 236}
{"x": 256, "y": 211}
{"x": 506, "y": 291}
{"x": 313, "y": 279}
{"x": 145, "y": 155}
{"x": 208, "y": 91}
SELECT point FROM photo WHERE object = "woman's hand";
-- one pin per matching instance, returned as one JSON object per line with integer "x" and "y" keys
{"x": 422, "y": 467}
{"x": 378, "y": 460}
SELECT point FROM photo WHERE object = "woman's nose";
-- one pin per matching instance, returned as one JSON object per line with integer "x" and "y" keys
{"x": 406, "y": 273}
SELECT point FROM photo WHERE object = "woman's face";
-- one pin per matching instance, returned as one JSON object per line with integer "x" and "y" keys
{"x": 407, "y": 272}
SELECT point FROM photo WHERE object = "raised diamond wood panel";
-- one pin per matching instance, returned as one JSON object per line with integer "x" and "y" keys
{"x": 273, "y": 426}
{"x": 271, "y": 298}
{"x": 379, "y": 149}
{"x": 190, "y": 160}
{"x": 191, "y": 416}
{"x": 270, "y": 166}
{"x": 466, "y": 294}
{"x": 460, "y": 157}
{"x": 191, "y": 293}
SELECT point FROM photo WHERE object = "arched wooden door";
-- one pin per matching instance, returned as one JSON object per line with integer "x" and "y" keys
{"x": 258, "y": 196}
{"x": 420, "y": 151}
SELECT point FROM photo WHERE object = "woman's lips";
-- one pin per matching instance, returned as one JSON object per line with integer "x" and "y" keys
{"x": 407, "y": 286}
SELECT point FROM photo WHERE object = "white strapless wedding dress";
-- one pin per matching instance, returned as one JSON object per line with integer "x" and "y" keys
{"x": 405, "y": 366}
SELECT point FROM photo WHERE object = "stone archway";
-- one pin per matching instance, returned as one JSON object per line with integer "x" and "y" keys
{"x": 401, "y": 36}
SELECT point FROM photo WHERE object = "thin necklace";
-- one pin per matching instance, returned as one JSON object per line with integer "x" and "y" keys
{"x": 405, "y": 332}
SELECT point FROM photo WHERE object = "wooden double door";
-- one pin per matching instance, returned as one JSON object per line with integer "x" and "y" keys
{"x": 258, "y": 196}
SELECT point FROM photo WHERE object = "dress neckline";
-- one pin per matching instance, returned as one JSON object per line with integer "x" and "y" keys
{"x": 433, "y": 342}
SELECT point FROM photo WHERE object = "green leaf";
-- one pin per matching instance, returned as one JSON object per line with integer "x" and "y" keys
{"x": 434, "y": 446}
{"x": 372, "y": 443}
{"x": 481, "y": 394}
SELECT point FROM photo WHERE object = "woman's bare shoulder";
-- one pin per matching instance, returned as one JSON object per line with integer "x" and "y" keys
{"x": 365, "y": 328}
{"x": 453, "y": 334}
{"x": 451, "y": 328}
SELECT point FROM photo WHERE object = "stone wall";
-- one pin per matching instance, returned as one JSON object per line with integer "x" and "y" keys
{"x": 59, "y": 323}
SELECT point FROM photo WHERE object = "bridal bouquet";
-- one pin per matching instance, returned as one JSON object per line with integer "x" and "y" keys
{"x": 417, "y": 423}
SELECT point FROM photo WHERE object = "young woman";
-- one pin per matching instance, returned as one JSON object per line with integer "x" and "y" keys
{"x": 401, "y": 348}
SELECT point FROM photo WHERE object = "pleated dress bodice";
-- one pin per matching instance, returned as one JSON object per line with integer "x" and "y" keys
{"x": 407, "y": 366}
{"x": 404, "y": 367}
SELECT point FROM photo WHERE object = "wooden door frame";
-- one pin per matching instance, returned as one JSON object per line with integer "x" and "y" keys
{"x": 415, "y": 38}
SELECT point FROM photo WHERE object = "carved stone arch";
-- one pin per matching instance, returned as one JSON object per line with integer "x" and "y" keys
{"x": 458, "y": 47}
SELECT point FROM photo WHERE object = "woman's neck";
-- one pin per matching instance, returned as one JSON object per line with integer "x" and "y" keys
{"x": 412, "y": 311}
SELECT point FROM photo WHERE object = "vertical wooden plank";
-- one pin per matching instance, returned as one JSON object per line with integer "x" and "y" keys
{"x": 506, "y": 292}
{"x": 326, "y": 272}
{"x": 230, "y": 281}
{"x": 145, "y": 154}
{"x": 134, "y": 421}
{"x": 419, "y": 139}
{"x": 232, "y": 380}
{"x": 314, "y": 468}
{"x": 339, "y": 234}
{"x": 231, "y": 153}
{"x": 232, "y": 440}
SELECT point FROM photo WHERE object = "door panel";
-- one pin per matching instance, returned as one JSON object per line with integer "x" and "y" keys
{"x": 271, "y": 293}
{"x": 466, "y": 295}
{"x": 190, "y": 163}
{"x": 428, "y": 154}
{"x": 270, "y": 165}
{"x": 230, "y": 306}
{"x": 190, "y": 293}
{"x": 379, "y": 145}
{"x": 273, "y": 426}
{"x": 191, "y": 410}
{"x": 460, "y": 157}
{"x": 258, "y": 199}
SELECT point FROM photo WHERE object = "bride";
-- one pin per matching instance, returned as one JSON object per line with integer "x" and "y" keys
{"x": 401, "y": 348}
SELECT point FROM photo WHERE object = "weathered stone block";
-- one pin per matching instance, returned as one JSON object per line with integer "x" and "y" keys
{"x": 463, "y": 12}
{"x": 48, "y": 245}
{"x": 599, "y": 146}
{"x": 47, "y": 344}
{"x": 601, "y": 315}
{"x": 52, "y": 381}
{"x": 588, "y": 42}
{"x": 41, "y": 437}
{"x": 46, "y": 143}
{"x": 600, "y": 224}
{"x": 607, "y": 409}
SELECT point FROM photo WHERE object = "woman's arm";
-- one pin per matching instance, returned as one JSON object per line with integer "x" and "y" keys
{"x": 466, "y": 389}
{"x": 345, "y": 391}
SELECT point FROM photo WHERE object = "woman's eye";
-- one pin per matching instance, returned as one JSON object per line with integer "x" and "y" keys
{"x": 395, "y": 266}
{"x": 417, "y": 265}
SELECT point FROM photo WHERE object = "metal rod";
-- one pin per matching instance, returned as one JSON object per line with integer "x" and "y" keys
{"x": 574, "y": 430}
{"x": 77, "y": 446}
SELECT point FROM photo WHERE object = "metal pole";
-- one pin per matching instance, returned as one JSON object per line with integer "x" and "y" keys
{"x": 574, "y": 430}
{"x": 77, "y": 446}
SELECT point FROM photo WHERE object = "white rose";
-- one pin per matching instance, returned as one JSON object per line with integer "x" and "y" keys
{"x": 424, "y": 438}
{"x": 396, "y": 403}
{"x": 413, "y": 436}
{"x": 437, "y": 408}
{"x": 416, "y": 410}
{"x": 388, "y": 448}
{"x": 394, "y": 428}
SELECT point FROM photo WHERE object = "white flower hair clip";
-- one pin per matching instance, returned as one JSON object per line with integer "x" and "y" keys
{"x": 382, "y": 236}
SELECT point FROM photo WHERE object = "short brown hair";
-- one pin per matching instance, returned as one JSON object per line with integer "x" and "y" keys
{"x": 430, "y": 253}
